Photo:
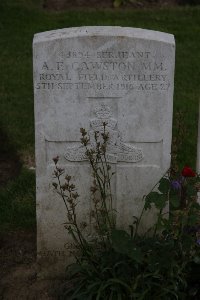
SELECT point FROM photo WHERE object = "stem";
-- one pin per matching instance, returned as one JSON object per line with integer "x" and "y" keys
{"x": 109, "y": 188}
{"x": 102, "y": 189}
{"x": 183, "y": 197}
{"x": 80, "y": 237}
{"x": 156, "y": 225}
{"x": 139, "y": 220}
{"x": 62, "y": 194}
{"x": 99, "y": 226}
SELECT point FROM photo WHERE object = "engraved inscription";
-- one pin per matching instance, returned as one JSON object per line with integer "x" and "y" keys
{"x": 117, "y": 150}
{"x": 52, "y": 253}
{"x": 105, "y": 71}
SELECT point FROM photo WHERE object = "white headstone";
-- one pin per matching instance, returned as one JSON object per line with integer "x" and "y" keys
{"x": 83, "y": 76}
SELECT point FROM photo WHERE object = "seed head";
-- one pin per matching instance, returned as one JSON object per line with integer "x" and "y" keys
{"x": 68, "y": 177}
{"x": 83, "y": 131}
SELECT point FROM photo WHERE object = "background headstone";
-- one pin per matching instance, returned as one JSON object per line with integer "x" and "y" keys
{"x": 83, "y": 76}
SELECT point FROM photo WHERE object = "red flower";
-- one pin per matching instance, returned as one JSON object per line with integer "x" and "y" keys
{"x": 188, "y": 172}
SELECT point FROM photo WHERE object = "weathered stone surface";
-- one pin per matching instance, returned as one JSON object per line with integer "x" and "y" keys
{"x": 83, "y": 77}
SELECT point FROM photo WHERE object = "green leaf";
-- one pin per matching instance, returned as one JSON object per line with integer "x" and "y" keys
{"x": 191, "y": 191}
{"x": 122, "y": 243}
{"x": 174, "y": 201}
{"x": 120, "y": 282}
{"x": 73, "y": 269}
{"x": 164, "y": 185}
{"x": 197, "y": 260}
{"x": 193, "y": 219}
{"x": 195, "y": 205}
{"x": 160, "y": 202}
{"x": 135, "y": 254}
{"x": 151, "y": 198}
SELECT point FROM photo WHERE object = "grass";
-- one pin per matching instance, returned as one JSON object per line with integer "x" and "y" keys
{"x": 17, "y": 202}
{"x": 20, "y": 19}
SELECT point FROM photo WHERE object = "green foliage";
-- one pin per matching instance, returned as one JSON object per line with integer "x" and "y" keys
{"x": 17, "y": 202}
{"x": 123, "y": 243}
{"x": 164, "y": 185}
{"x": 116, "y": 265}
{"x": 164, "y": 269}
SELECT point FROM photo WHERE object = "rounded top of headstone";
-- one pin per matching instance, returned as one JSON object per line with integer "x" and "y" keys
{"x": 104, "y": 31}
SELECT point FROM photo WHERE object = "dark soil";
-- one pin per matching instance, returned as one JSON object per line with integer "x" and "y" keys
{"x": 10, "y": 164}
{"x": 18, "y": 271}
{"x": 105, "y": 4}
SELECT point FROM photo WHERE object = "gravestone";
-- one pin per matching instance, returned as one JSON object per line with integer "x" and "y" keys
{"x": 83, "y": 77}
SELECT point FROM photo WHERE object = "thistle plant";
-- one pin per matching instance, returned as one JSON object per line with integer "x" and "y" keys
{"x": 102, "y": 215}
{"x": 69, "y": 195}
{"x": 103, "y": 212}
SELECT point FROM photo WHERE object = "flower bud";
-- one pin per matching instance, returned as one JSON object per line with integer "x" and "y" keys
{"x": 83, "y": 131}
{"x": 68, "y": 177}
{"x": 56, "y": 159}
{"x": 188, "y": 172}
{"x": 55, "y": 185}
{"x": 75, "y": 195}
